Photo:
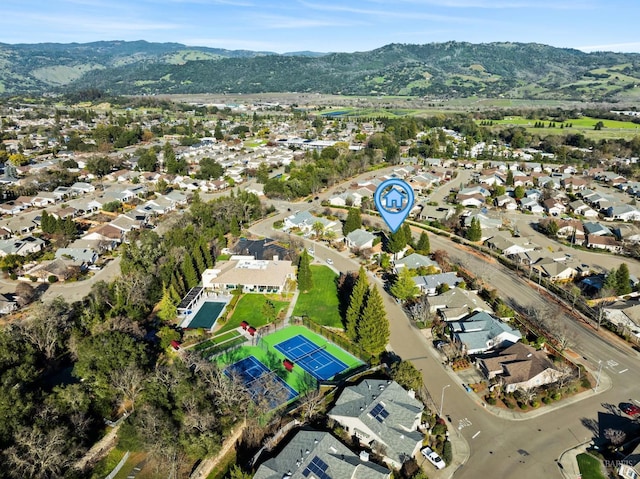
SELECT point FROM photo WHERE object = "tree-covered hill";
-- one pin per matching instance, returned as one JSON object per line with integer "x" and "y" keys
{"x": 452, "y": 69}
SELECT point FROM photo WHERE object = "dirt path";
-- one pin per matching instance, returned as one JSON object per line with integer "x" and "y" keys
{"x": 206, "y": 466}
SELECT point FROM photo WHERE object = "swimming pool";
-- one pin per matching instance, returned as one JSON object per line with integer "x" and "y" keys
{"x": 207, "y": 315}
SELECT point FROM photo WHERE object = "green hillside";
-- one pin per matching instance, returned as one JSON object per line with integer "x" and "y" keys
{"x": 442, "y": 70}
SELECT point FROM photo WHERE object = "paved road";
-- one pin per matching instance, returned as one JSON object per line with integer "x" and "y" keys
{"x": 75, "y": 291}
{"x": 501, "y": 447}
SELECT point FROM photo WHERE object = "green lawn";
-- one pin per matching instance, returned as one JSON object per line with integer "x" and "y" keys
{"x": 321, "y": 303}
{"x": 216, "y": 340}
{"x": 589, "y": 467}
{"x": 249, "y": 309}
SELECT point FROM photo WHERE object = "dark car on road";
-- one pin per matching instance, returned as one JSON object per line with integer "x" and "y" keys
{"x": 630, "y": 409}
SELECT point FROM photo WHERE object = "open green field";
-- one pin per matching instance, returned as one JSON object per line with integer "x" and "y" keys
{"x": 584, "y": 125}
{"x": 321, "y": 303}
{"x": 220, "y": 338}
{"x": 583, "y": 122}
{"x": 249, "y": 309}
{"x": 589, "y": 467}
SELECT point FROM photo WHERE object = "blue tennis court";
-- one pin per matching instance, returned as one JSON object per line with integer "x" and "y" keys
{"x": 312, "y": 358}
{"x": 261, "y": 381}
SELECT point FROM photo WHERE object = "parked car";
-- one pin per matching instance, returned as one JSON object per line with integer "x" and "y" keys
{"x": 329, "y": 261}
{"x": 433, "y": 457}
{"x": 630, "y": 409}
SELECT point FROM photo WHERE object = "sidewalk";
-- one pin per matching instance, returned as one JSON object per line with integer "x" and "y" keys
{"x": 567, "y": 462}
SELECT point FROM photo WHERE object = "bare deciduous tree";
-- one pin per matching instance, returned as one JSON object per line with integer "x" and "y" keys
{"x": 615, "y": 436}
{"x": 47, "y": 326}
{"x": 312, "y": 404}
{"x": 38, "y": 454}
{"x": 129, "y": 382}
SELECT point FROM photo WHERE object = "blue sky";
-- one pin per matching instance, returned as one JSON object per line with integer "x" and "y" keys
{"x": 325, "y": 25}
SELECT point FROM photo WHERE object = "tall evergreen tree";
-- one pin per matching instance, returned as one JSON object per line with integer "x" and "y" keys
{"x": 474, "y": 232}
{"x": 408, "y": 235}
{"x": 373, "y": 327}
{"x": 356, "y": 302}
{"x": 611, "y": 281}
{"x": 206, "y": 253}
{"x": 623, "y": 284}
{"x": 305, "y": 280}
{"x": 167, "y": 309}
{"x": 423, "y": 246}
{"x": 404, "y": 287}
{"x": 509, "y": 180}
{"x": 397, "y": 241}
{"x": 353, "y": 221}
{"x": 189, "y": 272}
{"x": 234, "y": 227}
{"x": 196, "y": 254}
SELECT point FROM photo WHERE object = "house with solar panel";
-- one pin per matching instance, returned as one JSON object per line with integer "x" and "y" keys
{"x": 318, "y": 455}
{"x": 382, "y": 415}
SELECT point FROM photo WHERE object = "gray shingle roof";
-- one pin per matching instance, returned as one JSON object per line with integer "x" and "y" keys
{"x": 396, "y": 430}
{"x": 307, "y": 445}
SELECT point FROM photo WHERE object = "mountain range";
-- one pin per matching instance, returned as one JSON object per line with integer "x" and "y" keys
{"x": 435, "y": 70}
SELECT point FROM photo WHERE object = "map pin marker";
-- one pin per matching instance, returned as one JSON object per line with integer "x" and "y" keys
{"x": 394, "y": 200}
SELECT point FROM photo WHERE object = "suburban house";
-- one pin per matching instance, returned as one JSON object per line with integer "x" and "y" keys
{"x": 603, "y": 242}
{"x": 476, "y": 200}
{"x": 381, "y": 413}
{"x": 531, "y": 205}
{"x": 629, "y": 467}
{"x": 435, "y": 213}
{"x": 105, "y": 237}
{"x": 429, "y": 284}
{"x": 315, "y": 454}
{"x": 83, "y": 256}
{"x": 304, "y": 221}
{"x": 596, "y": 229}
{"x": 623, "y": 213}
{"x": 253, "y": 275}
{"x": 481, "y": 332}
{"x": 457, "y": 303}
{"x": 507, "y": 202}
{"x": 625, "y": 315}
{"x": 553, "y": 207}
{"x": 21, "y": 247}
{"x": 484, "y": 220}
{"x": 554, "y": 270}
{"x": 7, "y": 305}
{"x": 627, "y": 233}
{"x": 360, "y": 239}
{"x": 519, "y": 367}
{"x": 415, "y": 261}
{"x": 265, "y": 248}
{"x": 60, "y": 268}
{"x": 510, "y": 246}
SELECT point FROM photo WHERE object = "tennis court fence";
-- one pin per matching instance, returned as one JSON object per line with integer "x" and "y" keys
{"x": 337, "y": 339}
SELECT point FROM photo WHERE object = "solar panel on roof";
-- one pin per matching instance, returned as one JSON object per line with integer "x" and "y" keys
{"x": 379, "y": 413}
{"x": 318, "y": 468}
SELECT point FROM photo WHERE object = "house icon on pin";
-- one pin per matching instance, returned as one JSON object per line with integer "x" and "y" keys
{"x": 393, "y": 199}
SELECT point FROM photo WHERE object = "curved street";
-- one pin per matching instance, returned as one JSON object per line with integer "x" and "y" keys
{"x": 505, "y": 444}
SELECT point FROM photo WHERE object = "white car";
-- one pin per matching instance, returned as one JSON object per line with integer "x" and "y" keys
{"x": 329, "y": 261}
{"x": 433, "y": 457}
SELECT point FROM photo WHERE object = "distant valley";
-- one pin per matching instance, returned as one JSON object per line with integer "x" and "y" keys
{"x": 438, "y": 70}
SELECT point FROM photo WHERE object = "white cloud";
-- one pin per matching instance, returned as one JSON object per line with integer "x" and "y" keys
{"x": 629, "y": 47}
{"x": 396, "y": 14}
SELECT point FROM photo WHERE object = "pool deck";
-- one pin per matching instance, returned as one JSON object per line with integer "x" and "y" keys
{"x": 209, "y": 298}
